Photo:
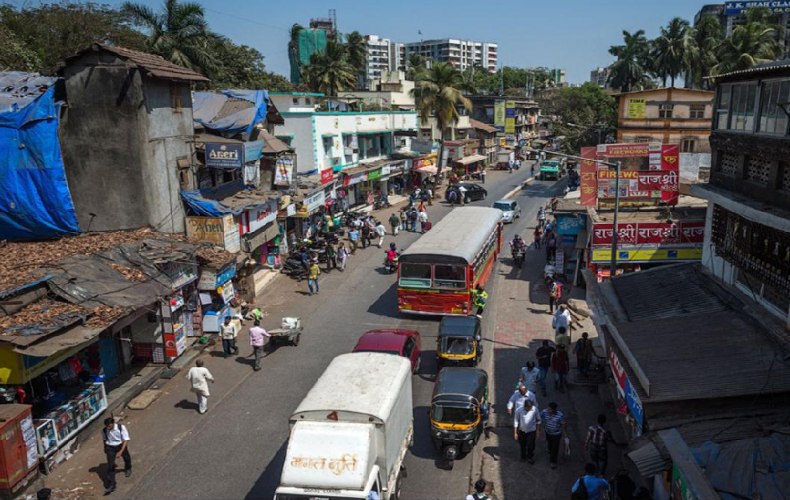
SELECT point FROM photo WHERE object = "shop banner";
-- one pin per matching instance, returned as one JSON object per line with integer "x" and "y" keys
{"x": 327, "y": 176}
{"x": 386, "y": 170}
{"x": 210, "y": 280}
{"x": 227, "y": 292}
{"x": 374, "y": 175}
{"x": 571, "y": 224}
{"x": 510, "y": 117}
{"x": 670, "y": 164}
{"x": 180, "y": 274}
{"x": 283, "y": 172}
{"x": 220, "y": 231}
{"x": 648, "y": 256}
{"x": 499, "y": 116}
{"x": 355, "y": 179}
{"x": 636, "y": 107}
{"x": 256, "y": 218}
{"x": 619, "y": 372}
{"x": 314, "y": 201}
{"x": 634, "y": 404}
{"x": 219, "y": 155}
{"x": 776, "y": 7}
{"x": 629, "y": 150}
{"x": 253, "y": 151}
{"x": 290, "y": 210}
{"x": 651, "y": 233}
{"x": 589, "y": 181}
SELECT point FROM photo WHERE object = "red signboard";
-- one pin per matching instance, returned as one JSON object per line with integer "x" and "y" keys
{"x": 651, "y": 233}
{"x": 589, "y": 182}
{"x": 649, "y": 171}
{"x": 636, "y": 150}
{"x": 618, "y": 371}
{"x": 326, "y": 176}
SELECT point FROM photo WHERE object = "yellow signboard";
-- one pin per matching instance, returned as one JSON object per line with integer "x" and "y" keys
{"x": 499, "y": 115}
{"x": 636, "y": 107}
{"x": 648, "y": 255}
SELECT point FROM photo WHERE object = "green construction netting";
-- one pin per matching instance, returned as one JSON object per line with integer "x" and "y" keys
{"x": 310, "y": 42}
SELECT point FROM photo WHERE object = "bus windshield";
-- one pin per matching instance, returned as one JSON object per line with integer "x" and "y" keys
{"x": 454, "y": 414}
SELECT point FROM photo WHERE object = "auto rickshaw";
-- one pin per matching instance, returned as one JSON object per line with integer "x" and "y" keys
{"x": 459, "y": 410}
{"x": 458, "y": 343}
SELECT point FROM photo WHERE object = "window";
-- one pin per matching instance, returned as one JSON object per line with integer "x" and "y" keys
{"x": 762, "y": 292}
{"x": 295, "y": 101}
{"x": 723, "y": 109}
{"x": 688, "y": 145}
{"x": 175, "y": 96}
{"x": 308, "y": 101}
{"x": 697, "y": 111}
{"x": 665, "y": 110}
{"x": 328, "y": 143}
{"x": 415, "y": 275}
{"x": 446, "y": 276}
{"x": 773, "y": 119}
{"x": 743, "y": 106}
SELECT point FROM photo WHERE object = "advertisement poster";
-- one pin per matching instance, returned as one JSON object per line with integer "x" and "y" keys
{"x": 679, "y": 489}
{"x": 219, "y": 155}
{"x": 283, "y": 171}
{"x": 327, "y": 176}
{"x": 634, "y": 404}
{"x": 499, "y": 116}
{"x": 589, "y": 180}
{"x": 649, "y": 171}
{"x": 636, "y": 107}
{"x": 257, "y": 218}
{"x": 618, "y": 371}
{"x": 510, "y": 117}
{"x": 253, "y": 150}
{"x": 651, "y": 233}
{"x": 570, "y": 224}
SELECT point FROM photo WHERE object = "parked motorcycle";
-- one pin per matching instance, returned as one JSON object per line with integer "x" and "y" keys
{"x": 380, "y": 203}
{"x": 294, "y": 268}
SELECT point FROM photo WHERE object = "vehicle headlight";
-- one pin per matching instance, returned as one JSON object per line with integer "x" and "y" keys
{"x": 438, "y": 434}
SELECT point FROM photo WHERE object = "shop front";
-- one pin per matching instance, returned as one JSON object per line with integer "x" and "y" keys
{"x": 216, "y": 290}
{"x": 572, "y": 240}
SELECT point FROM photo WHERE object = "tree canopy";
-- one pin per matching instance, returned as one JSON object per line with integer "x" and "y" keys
{"x": 586, "y": 114}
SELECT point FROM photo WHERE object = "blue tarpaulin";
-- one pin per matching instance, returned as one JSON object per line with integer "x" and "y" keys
{"x": 214, "y": 111}
{"x": 209, "y": 202}
{"x": 35, "y": 201}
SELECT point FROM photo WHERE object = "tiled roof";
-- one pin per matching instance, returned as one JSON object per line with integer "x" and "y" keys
{"x": 153, "y": 65}
{"x": 483, "y": 126}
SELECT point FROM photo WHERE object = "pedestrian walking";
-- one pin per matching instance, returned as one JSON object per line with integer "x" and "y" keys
{"x": 353, "y": 239}
{"x": 394, "y": 223}
{"x": 583, "y": 351}
{"x": 532, "y": 170}
{"x": 229, "y": 331}
{"x": 480, "y": 298}
{"x": 403, "y": 219}
{"x": 365, "y": 234}
{"x": 423, "y": 218}
{"x": 342, "y": 256}
{"x": 537, "y": 235}
{"x": 479, "y": 494}
{"x": 510, "y": 167}
{"x": 199, "y": 377}
{"x": 525, "y": 428}
{"x": 530, "y": 376}
{"x": 413, "y": 216}
{"x": 554, "y": 425}
{"x": 597, "y": 445}
{"x": 517, "y": 399}
{"x": 544, "y": 354}
{"x": 312, "y": 277}
{"x": 116, "y": 445}
{"x": 518, "y": 163}
{"x": 563, "y": 339}
{"x": 555, "y": 294}
{"x": 551, "y": 245}
{"x": 462, "y": 196}
{"x": 483, "y": 176}
{"x": 562, "y": 319}
{"x": 380, "y": 231}
{"x": 331, "y": 257}
{"x": 258, "y": 338}
{"x": 560, "y": 365}
{"x": 589, "y": 487}
{"x": 430, "y": 194}
{"x": 257, "y": 314}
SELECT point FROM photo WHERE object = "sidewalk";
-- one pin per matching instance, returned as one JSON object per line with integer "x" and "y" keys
{"x": 521, "y": 322}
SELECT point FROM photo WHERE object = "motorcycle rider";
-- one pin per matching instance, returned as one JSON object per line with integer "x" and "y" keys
{"x": 392, "y": 257}
{"x": 517, "y": 244}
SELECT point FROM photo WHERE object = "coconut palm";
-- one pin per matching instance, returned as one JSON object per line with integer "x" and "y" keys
{"x": 756, "y": 42}
{"x": 329, "y": 70}
{"x": 702, "y": 42}
{"x": 437, "y": 93}
{"x": 179, "y": 33}
{"x": 667, "y": 52}
{"x": 356, "y": 50}
{"x": 628, "y": 71}
{"x": 416, "y": 66}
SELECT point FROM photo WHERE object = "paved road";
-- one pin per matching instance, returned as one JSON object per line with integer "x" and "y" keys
{"x": 237, "y": 449}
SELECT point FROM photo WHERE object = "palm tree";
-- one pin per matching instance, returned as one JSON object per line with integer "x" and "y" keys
{"x": 753, "y": 43}
{"x": 438, "y": 93}
{"x": 628, "y": 71}
{"x": 415, "y": 66}
{"x": 329, "y": 70}
{"x": 702, "y": 41}
{"x": 179, "y": 33}
{"x": 668, "y": 50}
{"x": 293, "y": 51}
{"x": 356, "y": 50}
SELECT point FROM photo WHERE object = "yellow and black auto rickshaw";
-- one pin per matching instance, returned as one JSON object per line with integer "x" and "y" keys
{"x": 459, "y": 410}
{"x": 459, "y": 341}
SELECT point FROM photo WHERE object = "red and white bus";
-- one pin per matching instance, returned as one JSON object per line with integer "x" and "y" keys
{"x": 437, "y": 274}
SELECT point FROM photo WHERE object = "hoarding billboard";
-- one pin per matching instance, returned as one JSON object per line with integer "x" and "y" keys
{"x": 499, "y": 116}
{"x": 651, "y": 233}
{"x": 777, "y": 7}
{"x": 219, "y": 155}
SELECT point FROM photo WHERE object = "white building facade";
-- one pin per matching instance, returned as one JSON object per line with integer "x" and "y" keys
{"x": 462, "y": 54}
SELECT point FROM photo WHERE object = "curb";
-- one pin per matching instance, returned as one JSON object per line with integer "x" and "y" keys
{"x": 521, "y": 187}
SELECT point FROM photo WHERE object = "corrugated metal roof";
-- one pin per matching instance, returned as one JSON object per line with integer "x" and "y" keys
{"x": 483, "y": 126}
{"x": 649, "y": 461}
{"x": 756, "y": 69}
{"x": 667, "y": 292}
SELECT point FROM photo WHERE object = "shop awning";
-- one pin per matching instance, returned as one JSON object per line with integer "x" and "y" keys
{"x": 431, "y": 169}
{"x": 471, "y": 159}
{"x": 260, "y": 237}
{"x": 271, "y": 144}
{"x": 74, "y": 337}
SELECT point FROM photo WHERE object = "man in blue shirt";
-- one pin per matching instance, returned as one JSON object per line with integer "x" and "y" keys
{"x": 353, "y": 238}
{"x": 554, "y": 425}
{"x": 594, "y": 485}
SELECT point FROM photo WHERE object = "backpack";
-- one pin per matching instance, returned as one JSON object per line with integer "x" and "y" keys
{"x": 581, "y": 492}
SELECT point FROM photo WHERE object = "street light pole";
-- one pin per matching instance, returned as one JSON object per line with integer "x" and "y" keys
{"x": 614, "y": 222}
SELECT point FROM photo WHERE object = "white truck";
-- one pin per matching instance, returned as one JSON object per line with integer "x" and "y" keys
{"x": 504, "y": 156}
{"x": 350, "y": 434}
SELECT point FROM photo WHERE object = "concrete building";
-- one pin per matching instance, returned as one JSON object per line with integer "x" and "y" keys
{"x": 390, "y": 90}
{"x": 747, "y": 233}
{"x": 600, "y": 77}
{"x": 668, "y": 115}
{"x": 377, "y": 59}
{"x": 526, "y": 113}
{"x": 333, "y": 141}
{"x": 557, "y": 75}
{"x": 487, "y": 134}
{"x": 733, "y": 14}
{"x": 126, "y": 136}
{"x": 462, "y": 54}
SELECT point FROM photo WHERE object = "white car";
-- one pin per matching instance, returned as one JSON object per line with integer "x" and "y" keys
{"x": 510, "y": 210}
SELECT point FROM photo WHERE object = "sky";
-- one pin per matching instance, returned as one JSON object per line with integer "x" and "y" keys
{"x": 570, "y": 34}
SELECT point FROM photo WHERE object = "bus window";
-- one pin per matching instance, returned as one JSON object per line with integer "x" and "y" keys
{"x": 415, "y": 275}
{"x": 445, "y": 276}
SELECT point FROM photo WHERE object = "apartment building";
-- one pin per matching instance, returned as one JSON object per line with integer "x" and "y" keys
{"x": 462, "y": 54}
{"x": 600, "y": 77}
{"x": 733, "y": 14}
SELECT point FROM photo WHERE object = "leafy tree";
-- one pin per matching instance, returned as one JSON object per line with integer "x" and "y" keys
{"x": 242, "y": 67}
{"x": 179, "y": 33}
{"x": 668, "y": 50}
{"x": 329, "y": 70}
{"x": 416, "y": 66}
{"x": 586, "y": 114}
{"x": 36, "y": 39}
{"x": 755, "y": 42}
{"x": 627, "y": 72}
{"x": 700, "y": 55}
{"x": 293, "y": 52}
{"x": 438, "y": 93}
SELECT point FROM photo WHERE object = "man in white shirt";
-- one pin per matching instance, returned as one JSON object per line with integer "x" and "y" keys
{"x": 380, "y": 231}
{"x": 530, "y": 376}
{"x": 517, "y": 399}
{"x": 229, "y": 332}
{"x": 116, "y": 441}
{"x": 525, "y": 428}
{"x": 200, "y": 377}
{"x": 561, "y": 319}
{"x": 462, "y": 195}
{"x": 423, "y": 218}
